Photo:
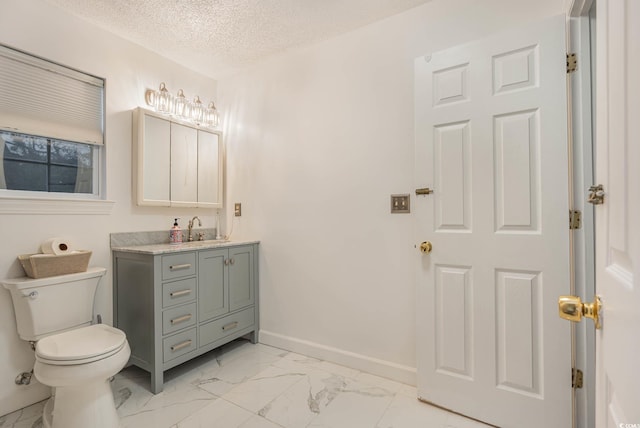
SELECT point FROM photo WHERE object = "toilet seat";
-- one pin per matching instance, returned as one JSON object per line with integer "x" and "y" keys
{"x": 80, "y": 346}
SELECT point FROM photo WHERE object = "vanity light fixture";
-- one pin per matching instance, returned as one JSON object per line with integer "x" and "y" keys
{"x": 180, "y": 107}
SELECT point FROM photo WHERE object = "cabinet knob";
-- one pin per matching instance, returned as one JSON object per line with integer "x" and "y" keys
{"x": 232, "y": 261}
{"x": 226, "y": 262}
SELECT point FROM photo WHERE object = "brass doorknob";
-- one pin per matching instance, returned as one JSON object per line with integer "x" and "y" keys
{"x": 426, "y": 247}
{"x": 571, "y": 308}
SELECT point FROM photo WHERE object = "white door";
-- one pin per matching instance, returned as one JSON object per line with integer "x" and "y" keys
{"x": 617, "y": 220}
{"x": 491, "y": 140}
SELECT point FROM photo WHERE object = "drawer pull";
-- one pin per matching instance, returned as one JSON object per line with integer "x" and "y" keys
{"x": 179, "y": 346}
{"x": 230, "y": 326}
{"x": 180, "y": 267}
{"x": 180, "y": 293}
{"x": 181, "y": 319}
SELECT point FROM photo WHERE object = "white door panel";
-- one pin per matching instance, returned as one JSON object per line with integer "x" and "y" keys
{"x": 491, "y": 139}
{"x": 617, "y": 233}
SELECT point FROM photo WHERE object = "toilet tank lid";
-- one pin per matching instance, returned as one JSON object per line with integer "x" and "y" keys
{"x": 81, "y": 343}
{"x": 26, "y": 282}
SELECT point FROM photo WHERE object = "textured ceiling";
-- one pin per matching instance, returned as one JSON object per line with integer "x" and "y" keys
{"x": 216, "y": 37}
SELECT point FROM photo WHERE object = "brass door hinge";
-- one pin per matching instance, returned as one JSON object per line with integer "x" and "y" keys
{"x": 572, "y": 62}
{"x": 576, "y": 378}
{"x": 575, "y": 219}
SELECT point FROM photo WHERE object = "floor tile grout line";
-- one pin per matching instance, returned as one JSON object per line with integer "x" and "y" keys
{"x": 385, "y": 410}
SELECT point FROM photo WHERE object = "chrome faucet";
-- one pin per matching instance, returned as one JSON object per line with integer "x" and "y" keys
{"x": 191, "y": 223}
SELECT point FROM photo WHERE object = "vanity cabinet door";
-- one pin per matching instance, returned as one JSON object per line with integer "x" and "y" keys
{"x": 209, "y": 170}
{"x": 241, "y": 285}
{"x": 184, "y": 166}
{"x": 154, "y": 154}
{"x": 212, "y": 284}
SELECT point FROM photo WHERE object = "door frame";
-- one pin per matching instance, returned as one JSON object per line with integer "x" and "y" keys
{"x": 581, "y": 102}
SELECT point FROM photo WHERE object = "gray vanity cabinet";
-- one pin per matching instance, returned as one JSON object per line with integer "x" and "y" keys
{"x": 178, "y": 305}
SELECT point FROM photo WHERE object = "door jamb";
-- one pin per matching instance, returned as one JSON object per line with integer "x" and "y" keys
{"x": 580, "y": 40}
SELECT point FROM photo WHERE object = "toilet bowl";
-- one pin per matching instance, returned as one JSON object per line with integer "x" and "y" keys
{"x": 78, "y": 364}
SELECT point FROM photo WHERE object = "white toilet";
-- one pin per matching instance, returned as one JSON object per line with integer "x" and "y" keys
{"x": 72, "y": 356}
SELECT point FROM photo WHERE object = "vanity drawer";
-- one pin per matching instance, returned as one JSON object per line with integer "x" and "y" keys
{"x": 178, "y": 265}
{"x": 179, "y": 344}
{"x": 175, "y": 319}
{"x": 177, "y": 292}
{"x": 225, "y": 326}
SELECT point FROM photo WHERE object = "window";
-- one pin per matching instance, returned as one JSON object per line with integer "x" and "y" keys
{"x": 51, "y": 129}
{"x": 46, "y": 165}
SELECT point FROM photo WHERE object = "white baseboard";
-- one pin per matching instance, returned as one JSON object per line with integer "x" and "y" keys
{"x": 387, "y": 369}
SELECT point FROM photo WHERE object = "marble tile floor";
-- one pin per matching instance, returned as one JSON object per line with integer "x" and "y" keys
{"x": 242, "y": 385}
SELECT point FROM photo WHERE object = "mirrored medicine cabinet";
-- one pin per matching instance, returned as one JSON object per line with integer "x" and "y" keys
{"x": 176, "y": 164}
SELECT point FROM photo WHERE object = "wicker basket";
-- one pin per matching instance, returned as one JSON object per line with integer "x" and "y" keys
{"x": 44, "y": 265}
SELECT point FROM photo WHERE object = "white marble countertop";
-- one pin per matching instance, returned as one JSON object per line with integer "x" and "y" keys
{"x": 185, "y": 246}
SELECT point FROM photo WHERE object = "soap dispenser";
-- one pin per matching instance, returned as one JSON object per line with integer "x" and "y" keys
{"x": 175, "y": 234}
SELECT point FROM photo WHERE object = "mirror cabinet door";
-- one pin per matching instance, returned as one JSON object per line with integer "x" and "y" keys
{"x": 209, "y": 170}
{"x": 154, "y": 161}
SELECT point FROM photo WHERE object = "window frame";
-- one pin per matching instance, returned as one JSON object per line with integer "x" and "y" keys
{"x": 34, "y": 202}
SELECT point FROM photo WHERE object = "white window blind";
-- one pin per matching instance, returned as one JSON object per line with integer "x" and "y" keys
{"x": 38, "y": 97}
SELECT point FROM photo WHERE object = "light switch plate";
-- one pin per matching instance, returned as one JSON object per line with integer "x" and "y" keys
{"x": 400, "y": 204}
{"x": 238, "y": 209}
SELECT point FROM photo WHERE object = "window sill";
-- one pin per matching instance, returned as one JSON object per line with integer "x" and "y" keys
{"x": 25, "y": 205}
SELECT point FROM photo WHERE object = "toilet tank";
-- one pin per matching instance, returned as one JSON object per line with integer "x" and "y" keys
{"x": 50, "y": 305}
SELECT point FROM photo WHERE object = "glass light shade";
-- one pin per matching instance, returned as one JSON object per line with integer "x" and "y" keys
{"x": 211, "y": 115}
{"x": 197, "y": 111}
{"x": 164, "y": 100}
{"x": 182, "y": 106}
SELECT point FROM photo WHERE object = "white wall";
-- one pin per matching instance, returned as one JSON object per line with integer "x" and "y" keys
{"x": 37, "y": 27}
{"x": 317, "y": 140}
